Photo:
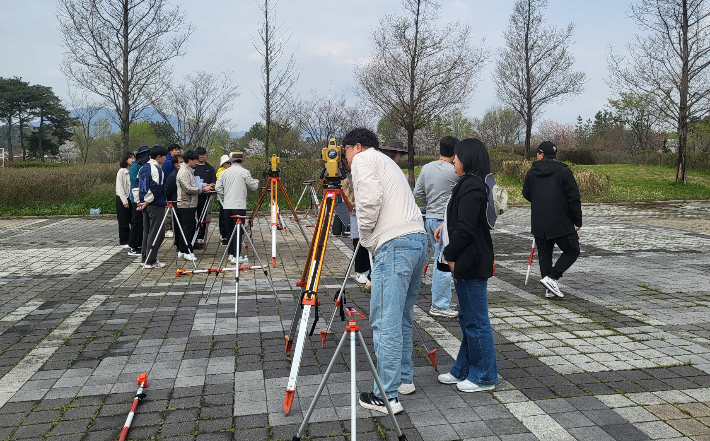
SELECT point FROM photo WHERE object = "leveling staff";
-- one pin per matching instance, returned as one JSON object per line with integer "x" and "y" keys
{"x": 391, "y": 227}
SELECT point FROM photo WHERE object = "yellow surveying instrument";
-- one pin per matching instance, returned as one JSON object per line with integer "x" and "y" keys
{"x": 332, "y": 156}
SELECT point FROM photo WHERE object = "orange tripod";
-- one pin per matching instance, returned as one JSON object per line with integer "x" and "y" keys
{"x": 273, "y": 184}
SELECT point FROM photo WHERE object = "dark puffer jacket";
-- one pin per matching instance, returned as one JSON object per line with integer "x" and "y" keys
{"x": 554, "y": 198}
{"x": 470, "y": 244}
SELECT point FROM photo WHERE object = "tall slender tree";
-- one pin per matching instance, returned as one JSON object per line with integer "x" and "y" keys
{"x": 120, "y": 50}
{"x": 669, "y": 62}
{"x": 13, "y": 93}
{"x": 418, "y": 71}
{"x": 278, "y": 76}
{"x": 535, "y": 68}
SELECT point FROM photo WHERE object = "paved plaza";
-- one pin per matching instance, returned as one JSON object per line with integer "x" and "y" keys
{"x": 625, "y": 355}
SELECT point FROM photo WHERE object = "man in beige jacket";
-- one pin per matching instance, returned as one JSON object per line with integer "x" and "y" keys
{"x": 391, "y": 228}
{"x": 187, "y": 196}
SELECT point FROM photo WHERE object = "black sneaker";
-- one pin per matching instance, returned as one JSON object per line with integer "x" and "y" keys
{"x": 134, "y": 252}
{"x": 225, "y": 241}
{"x": 369, "y": 400}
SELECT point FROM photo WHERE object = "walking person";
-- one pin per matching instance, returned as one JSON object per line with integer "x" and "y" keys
{"x": 208, "y": 175}
{"x": 469, "y": 255}
{"x": 123, "y": 198}
{"x": 231, "y": 189}
{"x": 151, "y": 202}
{"x": 187, "y": 195}
{"x": 168, "y": 169}
{"x": 135, "y": 238}
{"x": 433, "y": 188}
{"x": 390, "y": 227}
{"x": 556, "y": 215}
{"x": 226, "y": 163}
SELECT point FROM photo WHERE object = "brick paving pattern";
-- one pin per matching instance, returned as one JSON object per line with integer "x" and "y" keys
{"x": 624, "y": 356}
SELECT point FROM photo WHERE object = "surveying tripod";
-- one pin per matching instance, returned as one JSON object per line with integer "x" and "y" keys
{"x": 168, "y": 211}
{"x": 202, "y": 220}
{"x": 273, "y": 184}
{"x": 353, "y": 329}
{"x": 314, "y": 264}
{"x": 312, "y": 195}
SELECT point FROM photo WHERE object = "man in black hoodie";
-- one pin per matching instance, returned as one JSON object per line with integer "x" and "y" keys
{"x": 556, "y": 214}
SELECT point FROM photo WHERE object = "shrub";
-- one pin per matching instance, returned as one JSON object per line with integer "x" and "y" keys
{"x": 577, "y": 156}
{"x": 516, "y": 169}
{"x": 589, "y": 182}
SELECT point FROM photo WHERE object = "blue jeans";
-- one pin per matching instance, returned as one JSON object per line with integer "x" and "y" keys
{"x": 476, "y": 361}
{"x": 441, "y": 281}
{"x": 396, "y": 277}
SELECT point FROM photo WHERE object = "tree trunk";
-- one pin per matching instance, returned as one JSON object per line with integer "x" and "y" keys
{"x": 528, "y": 135}
{"x": 125, "y": 110}
{"x": 9, "y": 137}
{"x": 528, "y": 86}
{"x": 267, "y": 72}
{"x": 410, "y": 160}
{"x": 41, "y": 134}
{"x": 683, "y": 105}
{"x": 22, "y": 139}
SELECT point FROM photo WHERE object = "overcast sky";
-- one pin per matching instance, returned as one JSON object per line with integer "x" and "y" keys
{"x": 328, "y": 38}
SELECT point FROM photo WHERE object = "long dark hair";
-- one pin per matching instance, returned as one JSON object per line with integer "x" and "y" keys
{"x": 473, "y": 155}
{"x": 124, "y": 159}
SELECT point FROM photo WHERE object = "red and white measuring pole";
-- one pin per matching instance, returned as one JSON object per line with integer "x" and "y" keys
{"x": 532, "y": 251}
{"x": 142, "y": 382}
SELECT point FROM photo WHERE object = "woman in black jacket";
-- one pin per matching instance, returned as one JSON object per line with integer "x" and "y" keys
{"x": 469, "y": 254}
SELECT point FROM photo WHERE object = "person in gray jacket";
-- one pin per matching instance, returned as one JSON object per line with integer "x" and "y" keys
{"x": 187, "y": 196}
{"x": 231, "y": 189}
{"x": 433, "y": 188}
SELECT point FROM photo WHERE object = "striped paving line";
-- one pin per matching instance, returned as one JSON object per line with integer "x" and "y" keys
{"x": 18, "y": 314}
{"x": 11, "y": 383}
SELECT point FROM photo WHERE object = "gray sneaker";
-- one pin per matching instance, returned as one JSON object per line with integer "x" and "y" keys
{"x": 551, "y": 284}
{"x": 449, "y": 312}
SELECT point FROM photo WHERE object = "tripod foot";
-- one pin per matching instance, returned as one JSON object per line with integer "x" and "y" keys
{"x": 323, "y": 335}
{"x": 289, "y": 344}
{"x": 288, "y": 400}
{"x": 432, "y": 357}
{"x": 402, "y": 438}
{"x": 425, "y": 268}
{"x": 273, "y": 262}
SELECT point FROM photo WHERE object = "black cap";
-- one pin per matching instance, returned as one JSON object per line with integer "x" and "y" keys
{"x": 547, "y": 148}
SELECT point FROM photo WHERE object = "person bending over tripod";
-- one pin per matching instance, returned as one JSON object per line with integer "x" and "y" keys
{"x": 209, "y": 176}
{"x": 390, "y": 226}
{"x": 232, "y": 191}
{"x": 151, "y": 201}
{"x": 187, "y": 195}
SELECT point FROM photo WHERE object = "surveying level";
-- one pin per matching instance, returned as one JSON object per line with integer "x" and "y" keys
{"x": 313, "y": 267}
{"x": 273, "y": 184}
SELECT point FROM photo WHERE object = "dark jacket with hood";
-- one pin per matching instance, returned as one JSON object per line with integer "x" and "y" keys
{"x": 141, "y": 159}
{"x": 470, "y": 245}
{"x": 171, "y": 185}
{"x": 554, "y": 198}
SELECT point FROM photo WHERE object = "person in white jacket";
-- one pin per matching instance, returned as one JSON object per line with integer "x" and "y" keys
{"x": 123, "y": 202}
{"x": 231, "y": 189}
{"x": 392, "y": 229}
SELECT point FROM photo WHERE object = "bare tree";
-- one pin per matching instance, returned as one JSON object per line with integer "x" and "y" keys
{"x": 638, "y": 113}
{"x": 534, "y": 68}
{"x": 120, "y": 49}
{"x": 197, "y": 107}
{"x": 417, "y": 71}
{"x": 278, "y": 79}
{"x": 85, "y": 111}
{"x": 670, "y": 63}
{"x": 500, "y": 126}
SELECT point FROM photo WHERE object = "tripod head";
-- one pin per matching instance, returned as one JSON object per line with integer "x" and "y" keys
{"x": 275, "y": 161}
{"x": 332, "y": 155}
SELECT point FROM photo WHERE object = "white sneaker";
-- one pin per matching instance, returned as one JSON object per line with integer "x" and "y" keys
{"x": 406, "y": 388}
{"x": 467, "y": 386}
{"x": 180, "y": 254}
{"x": 447, "y": 378}
{"x": 189, "y": 257}
{"x": 232, "y": 259}
{"x": 157, "y": 264}
{"x": 125, "y": 246}
{"x": 368, "y": 286}
{"x": 551, "y": 284}
{"x": 449, "y": 312}
{"x": 548, "y": 294}
{"x": 243, "y": 260}
{"x": 169, "y": 233}
{"x": 361, "y": 277}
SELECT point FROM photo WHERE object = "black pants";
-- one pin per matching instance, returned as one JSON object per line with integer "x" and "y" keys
{"x": 362, "y": 258}
{"x": 135, "y": 238}
{"x": 123, "y": 215}
{"x": 152, "y": 232}
{"x": 570, "y": 251}
{"x": 188, "y": 222}
{"x": 201, "y": 201}
{"x": 231, "y": 223}
{"x": 222, "y": 222}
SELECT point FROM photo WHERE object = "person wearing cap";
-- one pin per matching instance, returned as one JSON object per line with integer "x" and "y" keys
{"x": 187, "y": 195}
{"x": 209, "y": 176}
{"x": 225, "y": 163}
{"x": 394, "y": 149}
{"x": 151, "y": 202}
{"x": 433, "y": 188}
{"x": 556, "y": 215}
{"x": 168, "y": 169}
{"x": 231, "y": 189}
{"x": 391, "y": 227}
{"x": 135, "y": 237}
